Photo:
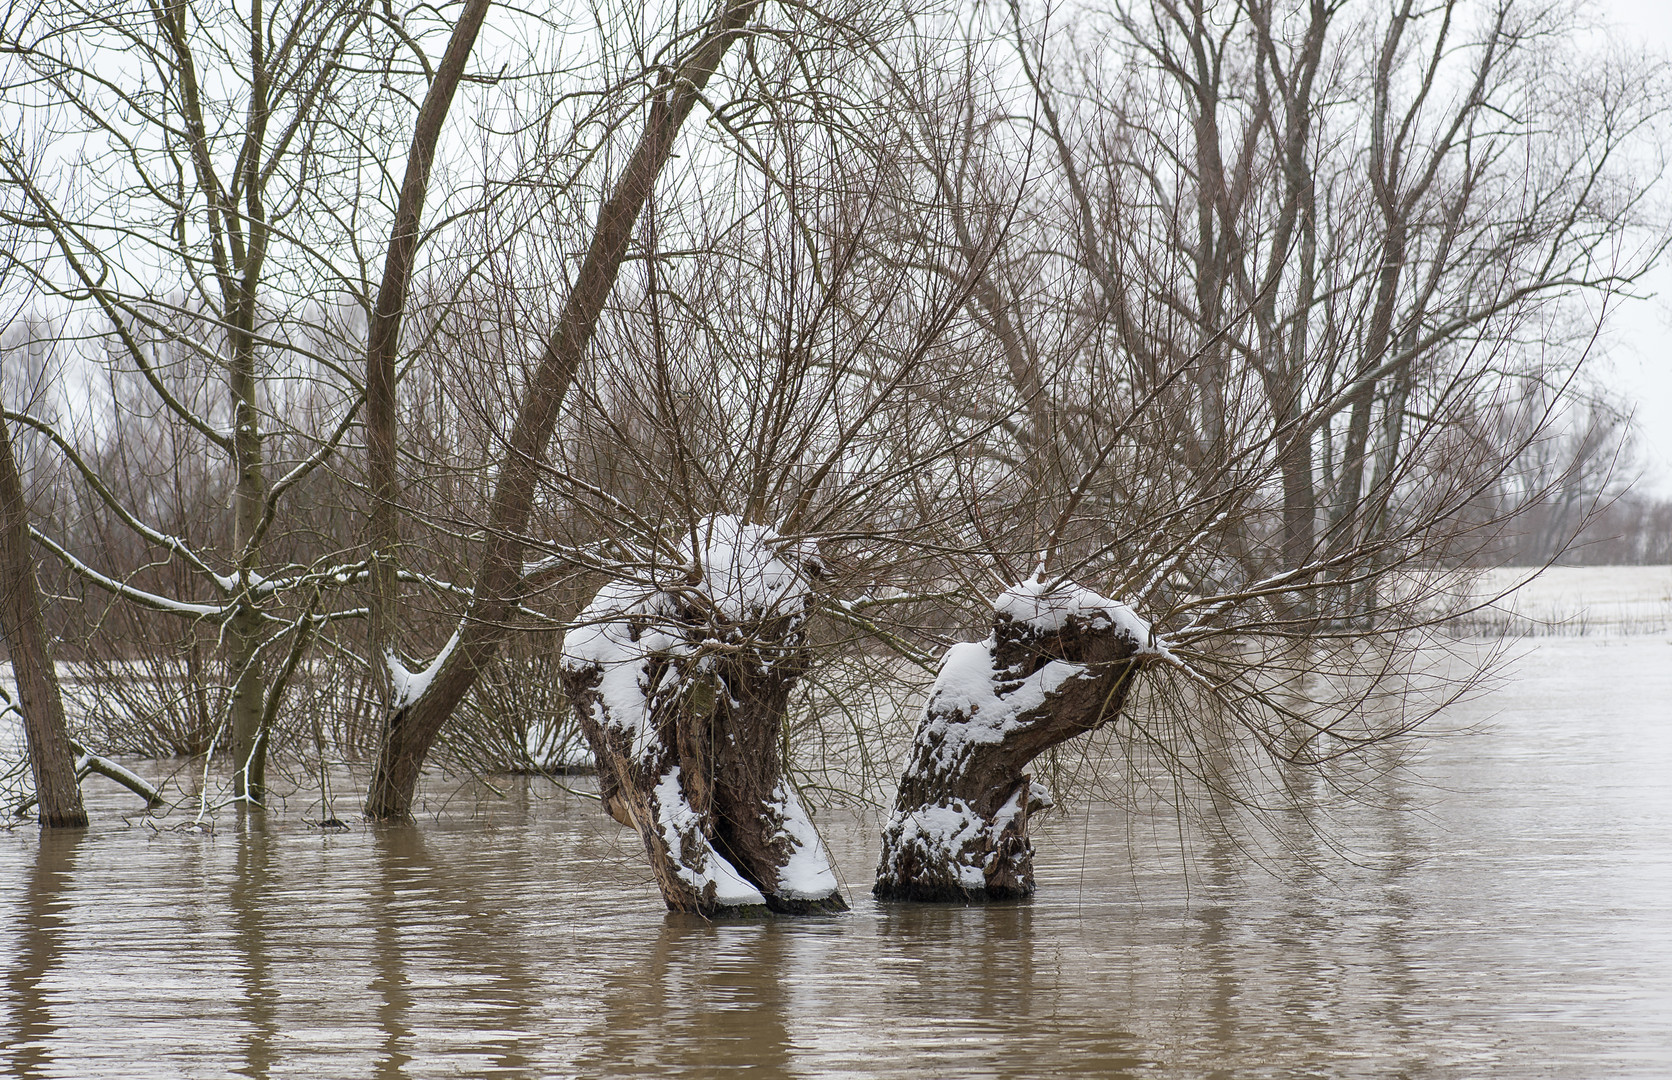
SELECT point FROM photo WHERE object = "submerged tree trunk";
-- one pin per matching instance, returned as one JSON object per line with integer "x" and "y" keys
{"x": 414, "y": 722}
{"x": 249, "y": 230}
{"x": 1059, "y": 663}
{"x": 51, "y": 759}
{"x": 682, "y": 689}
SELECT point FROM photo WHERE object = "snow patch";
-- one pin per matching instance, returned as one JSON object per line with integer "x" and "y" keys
{"x": 679, "y": 822}
{"x": 972, "y": 702}
{"x": 965, "y": 706}
{"x": 557, "y": 748}
{"x": 807, "y": 875}
{"x": 1048, "y": 606}
{"x": 941, "y": 833}
{"x": 406, "y": 686}
{"x": 617, "y": 636}
{"x": 747, "y": 572}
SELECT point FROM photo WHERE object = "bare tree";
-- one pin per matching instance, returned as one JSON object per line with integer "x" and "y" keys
{"x": 1195, "y": 354}
{"x": 384, "y": 334}
{"x": 189, "y": 205}
{"x": 1170, "y": 407}
{"x": 1288, "y": 266}
{"x": 51, "y": 759}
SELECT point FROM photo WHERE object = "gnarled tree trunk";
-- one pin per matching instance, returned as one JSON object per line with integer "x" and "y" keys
{"x": 682, "y": 689}
{"x": 1059, "y": 663}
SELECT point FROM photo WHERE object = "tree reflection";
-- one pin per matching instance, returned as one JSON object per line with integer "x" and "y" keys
{"x": 707, "y": 999}
{"x": 441, "y": 933}
{"x": 395, "y": 847}
{"x": 247, "y": 894}
{"x": 41, "y": 938}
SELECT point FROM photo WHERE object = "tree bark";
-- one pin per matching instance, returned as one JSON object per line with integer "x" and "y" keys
{"x": 710, "y": 784}
{"x": 244, "y": 629}
{"x": 249, "y": 233}
{"x": 249, "y": 739}
{"x": 412, "y": 727}
{"x": 51, "y": 759}
{"x": 383, "y": 338}
{"x": 959, "y": 830}
{"x": 684, "y": 703}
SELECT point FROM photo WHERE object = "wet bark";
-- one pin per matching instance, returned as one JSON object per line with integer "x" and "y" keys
{"x": 702, "y": 775}
{"x": 959, "y": 830}
{"x": 249, "y": 738}
{"x": 249, "y": 235}
{"x": 245, "y": 629}
{"x": 51, "y": 758}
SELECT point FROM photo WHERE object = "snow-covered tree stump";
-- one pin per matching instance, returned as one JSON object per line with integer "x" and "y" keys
{"x": 1059, "y": 663}
{"x": 681, "y": 684}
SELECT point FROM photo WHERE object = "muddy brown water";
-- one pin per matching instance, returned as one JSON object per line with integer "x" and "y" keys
{"x": 1513, "y": 919}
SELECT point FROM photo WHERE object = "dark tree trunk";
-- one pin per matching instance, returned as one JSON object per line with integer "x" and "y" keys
{"x": 709, "y": 783}
{"x": 684, "y": 704}
{"x": 959, "y": 831}
{"x": 51, "y": 758}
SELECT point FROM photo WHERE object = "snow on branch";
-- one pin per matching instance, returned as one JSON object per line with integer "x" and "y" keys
{"x": 155, "y": 536}
{"x": 407, "y": 685}
{"x": 128, "y": 592}
{"x": 88, "y": 762}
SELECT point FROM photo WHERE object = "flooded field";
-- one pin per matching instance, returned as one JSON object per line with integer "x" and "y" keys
{"x": 1507, "y": 912}
{"x": 1568, "y": 600}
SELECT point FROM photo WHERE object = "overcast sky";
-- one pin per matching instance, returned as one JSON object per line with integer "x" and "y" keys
{"x": 1640, "y": 345}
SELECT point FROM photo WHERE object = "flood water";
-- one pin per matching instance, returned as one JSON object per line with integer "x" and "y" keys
{"x": 1512, "y": 919}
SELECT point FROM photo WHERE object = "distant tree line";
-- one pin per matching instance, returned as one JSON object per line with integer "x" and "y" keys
{"x": 1591, "y": 511}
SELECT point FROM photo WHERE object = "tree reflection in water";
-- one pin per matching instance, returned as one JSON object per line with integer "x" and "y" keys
{"x": 248, "y": 896}
{"x": 41, "y": 940}
{"x": 705, "y": 994}
{"x": 449, "y": 975}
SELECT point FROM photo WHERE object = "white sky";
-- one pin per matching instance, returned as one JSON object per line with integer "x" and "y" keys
{"x": 1640, "y": 345}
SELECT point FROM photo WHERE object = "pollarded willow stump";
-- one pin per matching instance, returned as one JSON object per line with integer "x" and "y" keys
{"x": 681, "y": 686}
{"x": 1059, "y": 663}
